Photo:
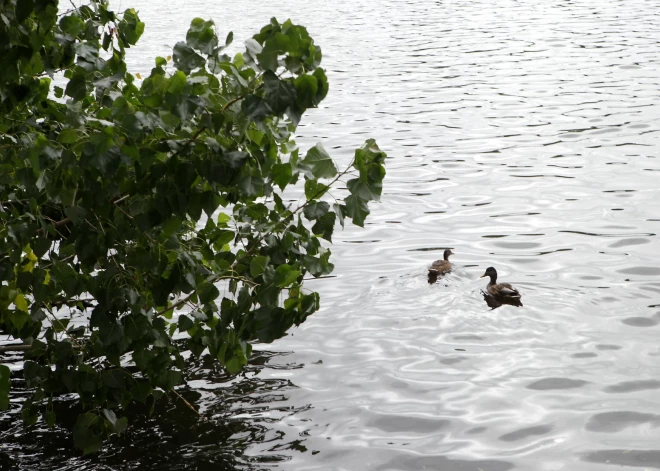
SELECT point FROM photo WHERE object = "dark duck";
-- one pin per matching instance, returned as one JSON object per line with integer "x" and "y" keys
{"x": 440, "y": 267}
{"x": 499, "y": 290}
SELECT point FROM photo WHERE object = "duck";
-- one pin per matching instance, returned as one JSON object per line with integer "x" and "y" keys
{"x": 499, "y": 290}
{"x": 440, "y": 267}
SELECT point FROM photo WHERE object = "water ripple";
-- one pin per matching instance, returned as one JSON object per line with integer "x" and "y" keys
{"x": 523, "y": 135}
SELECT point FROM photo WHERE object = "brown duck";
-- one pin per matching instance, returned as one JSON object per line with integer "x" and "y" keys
{"x": 440, "y": 267}
{"x": 499, "y": 290}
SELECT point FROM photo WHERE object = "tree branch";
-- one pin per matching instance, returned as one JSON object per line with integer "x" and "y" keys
{"x": 290, "y": 217}
{"x": 183, "y": 301}
{"x": 189, "y": 405}
{"x": 17, "y": 347}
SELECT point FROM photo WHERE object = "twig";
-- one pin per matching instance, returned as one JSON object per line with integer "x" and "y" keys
{"x": 231, "y": 102}
{"x": 183, "y": 301}
{"x": 180, "y": 302}
{"x": 286, "y": 219}
{"x": 190, "y": 406}
{"x": 119, "y": 208}
{"x": 56, "y": 224}
{"x": 119, "y": 200}
{"x": 18, "y": 347}
{"x": 88, "y": 302}
{"x": 14, "y": 202}
{"x": 241, "y": 97}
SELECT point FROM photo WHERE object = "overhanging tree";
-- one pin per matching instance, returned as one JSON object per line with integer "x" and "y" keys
{"x": 127, "y": 205}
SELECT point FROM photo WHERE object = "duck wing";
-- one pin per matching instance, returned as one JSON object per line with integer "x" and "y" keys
{"x": 505, "y": 289}
{"x": 440, "y": 266}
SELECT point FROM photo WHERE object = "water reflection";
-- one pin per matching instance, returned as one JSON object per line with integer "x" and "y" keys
{"x": 237, "y": 413}
{"x": 646, "y": 459}
{"x": 494, "y": 302}
{"x": 514, "y": 129}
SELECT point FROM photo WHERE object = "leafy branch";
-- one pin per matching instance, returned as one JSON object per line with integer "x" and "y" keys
{"x": 105, "y": 185}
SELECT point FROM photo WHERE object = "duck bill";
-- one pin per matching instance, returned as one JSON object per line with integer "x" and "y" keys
{"x": 483, "y": 276}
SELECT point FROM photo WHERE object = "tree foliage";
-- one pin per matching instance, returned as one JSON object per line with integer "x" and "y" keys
{"x": 134, "y": 210}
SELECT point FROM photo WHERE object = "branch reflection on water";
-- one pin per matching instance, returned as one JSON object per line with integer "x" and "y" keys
{"x": 238, "y": 429}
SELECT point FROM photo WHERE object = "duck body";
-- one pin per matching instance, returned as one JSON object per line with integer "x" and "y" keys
{"x": 499, "y": 290}
{"x": 440, "y": 267}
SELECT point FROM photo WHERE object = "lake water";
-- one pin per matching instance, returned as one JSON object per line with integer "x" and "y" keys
{"x": 522, "y": 134}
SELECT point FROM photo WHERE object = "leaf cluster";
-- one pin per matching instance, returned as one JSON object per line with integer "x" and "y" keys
{"x": 135, "y": 210}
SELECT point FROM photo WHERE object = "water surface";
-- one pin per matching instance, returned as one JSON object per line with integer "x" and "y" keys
{"x": 524, "y": 136}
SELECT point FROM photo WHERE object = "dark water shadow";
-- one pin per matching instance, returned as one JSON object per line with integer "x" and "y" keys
{"x": 526, "y": 432}
{"x": 616, "y": 421}
{"x": 445, "y": 464}
{"x": 238, "y": 413}
{"x": 494, "y": 302}
{"x": 552, "y": 384}
{"x": 638, "y": 458}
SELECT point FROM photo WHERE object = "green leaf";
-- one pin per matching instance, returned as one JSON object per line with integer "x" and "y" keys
{"x": 40, "y": 246}
{"x": 85, "y": 434}
{"x": 366, "y": 191}
{"x": 186, "y": 59}
{"x": 114, "y": 378}
{"x": 142, "y": 358}
{"x": 268, "y": 56}
{"x": 110, "y": 332}
{"x": 280, "y": 94}
{"x": 185, "y": 323}
{"x": 258, "y": 265}
{"x": 121, "y": 425}
{"x": 172, "y": 378}
{"x": 110, "y": 416}
{"x": 316, "y": 210}
{"x": 207, "y": 292}
{"x": 253, "y": 47}
{"x": 23, "y": 10}
{"x": 234, "y": 365}
{"x": 22, "y": 305}
{"x": 325, "y": 226}
{"x": 50, "y": 418}
{"x": 306, "y": 89}
{"x": 356, "y": 209}
{"x": 67, "y": 136}
{"x": 223, "y": 219}
{"x": 130, "y": 28}
{"x": 318, "y": 266}
{"x": 76, "y": 88}
{"x": 251, "y": 186}
{"x": 72, "y": 25}
{"x": 285, "y": 275}
{"x": 177, "y": 83}
{"x": 319, "y": 163}
{"x": 4, "y": 387}
{"x": 314, "y": 189}
{"x": 201, "y": 36}
{"x": 322, "y": 82}
{"x": 235, "y": 159}
{"x": 340, "y": 211}
{"x": 281, "y": 174}
{"x": 75, "y": 213}
{"x": 256, "y": 108}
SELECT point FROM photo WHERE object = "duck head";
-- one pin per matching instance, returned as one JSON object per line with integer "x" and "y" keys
{"x": 491, "y": 272}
